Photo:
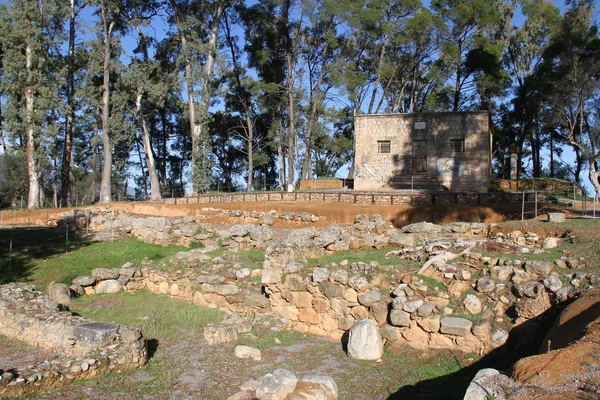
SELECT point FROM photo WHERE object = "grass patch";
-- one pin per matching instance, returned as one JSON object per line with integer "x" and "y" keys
{"x": 159, "y": 316}
{"x": 252, "y": 258}
{"x": 39, "y": 256}
{"x": 433, "y": 283}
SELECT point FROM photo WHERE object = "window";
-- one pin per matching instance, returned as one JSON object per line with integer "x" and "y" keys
{"x": 457, "y": 145}
{"x": 383, "y": 146}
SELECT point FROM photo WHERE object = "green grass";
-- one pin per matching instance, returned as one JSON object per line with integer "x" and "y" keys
{"x": 252, "y": 258}
{"x": 159, "y": 316}
{"x": 433, "y": 283}
{"x": 38, "y": 255}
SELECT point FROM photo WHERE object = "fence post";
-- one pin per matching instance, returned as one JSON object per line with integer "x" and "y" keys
{"x": 535, "y": 199}
{"x": 66, "y": 238}
{"x": 523, "y": 207}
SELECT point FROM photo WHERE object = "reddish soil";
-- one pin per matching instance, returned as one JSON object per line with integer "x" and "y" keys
{"x": 399, "y": 215}
{"x": 572, "y": 368}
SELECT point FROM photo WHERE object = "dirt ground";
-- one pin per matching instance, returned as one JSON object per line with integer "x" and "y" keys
{"x": 18, "y": 354}
{"x": 399, "y": 215}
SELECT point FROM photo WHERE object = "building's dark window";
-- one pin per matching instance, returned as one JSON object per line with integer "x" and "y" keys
{"x": 383, "y": 146}
{"x": 457, "y": 145}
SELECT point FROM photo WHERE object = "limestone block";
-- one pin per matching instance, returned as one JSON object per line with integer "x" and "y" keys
{"x": 302, "y": 299}
{"x": 95, "y": 333}
{"x": 364, "y": 341}
{"x": 109, "y": 286}
{"x": 455, "y": 326}
{"x": 366, "y": 299}
{"x": 399, "y": 318}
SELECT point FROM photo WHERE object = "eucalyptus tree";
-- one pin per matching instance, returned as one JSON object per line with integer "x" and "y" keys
{"x": 273, "y": 38}
{"x": 67, "y": 181}
{"x": 571, "y": 72}
{"x": 198, "y": 25}
{"x": 242, "y": 95}
{"x": 30, "y": 33}
{"x": 144, "y": 79}
{"x": 523, "y": 54}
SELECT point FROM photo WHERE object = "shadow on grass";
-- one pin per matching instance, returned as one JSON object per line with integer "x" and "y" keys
{"x": 524, "y": 340}
{"x": 21, "y": 247}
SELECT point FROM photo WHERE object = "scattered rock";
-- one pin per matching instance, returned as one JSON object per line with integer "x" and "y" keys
{"x": 473, "y": 304}
{"x": 248, "y": 352}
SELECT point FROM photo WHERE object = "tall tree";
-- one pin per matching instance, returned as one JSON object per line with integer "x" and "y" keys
{"x": 571, "y": 69}
{"x": 30, "y": 32}
{"x": 468, "y": 23}
{"x": 198, "y": 44}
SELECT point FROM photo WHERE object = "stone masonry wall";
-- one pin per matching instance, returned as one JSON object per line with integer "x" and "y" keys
{"x": 86, "y": 348}
{"x": 467, "y": 170}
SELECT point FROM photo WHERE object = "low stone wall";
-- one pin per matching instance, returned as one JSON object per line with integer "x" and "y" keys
{"x": 87, "y": 348}
{"x": 414, "y": 198}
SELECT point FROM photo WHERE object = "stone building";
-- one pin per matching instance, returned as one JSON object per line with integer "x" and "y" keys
{"x": 437, "y": 151}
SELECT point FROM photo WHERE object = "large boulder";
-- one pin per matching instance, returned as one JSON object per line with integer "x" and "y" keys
{"x": 364, "y": 340}
{"x": 60, "y": 293}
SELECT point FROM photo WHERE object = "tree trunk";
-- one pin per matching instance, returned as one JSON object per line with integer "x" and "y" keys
{"x": 315, "y": 101}
{"x": 378, "y": 71}
{"x": 145, "y": 181}
{"x": 150, "y": 164}
{"x": 105, "y": 184}
{"x": 280, "y": 157}
{"x": 94, "y": 166}
{"x": 291, "y": 127}
{"x": 246, "y": 107}
{"x": 33, "y": 198}
{"x": 154, "y": 182}
{"x": 67, "y": 159}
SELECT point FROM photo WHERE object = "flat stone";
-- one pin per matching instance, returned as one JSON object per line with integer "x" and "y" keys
{"x": 96, "y": 333}
{"x": 220, "y": 333}
{"x": 102, "y": 274}
{"x": 253, "y": 299}
{"x": 412, "y": 306}
{"x": 84, "y": 281}
{"x": 552, "y": 283}
{"x": 248, "y": 352}
{"x": 366, "y": 299}
{"x": 455, "y": 326}
{"x": 107, "y": 287}
{"x": 227, "y": 290}
{"x": 539, "y": 269}
{"x": 326, "y": 383}
{"x": 399, "y": 318}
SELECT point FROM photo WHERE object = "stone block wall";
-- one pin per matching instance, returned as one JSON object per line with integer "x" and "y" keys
{"x": 467, "y": 170}
{"x": 86, "y": 348}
